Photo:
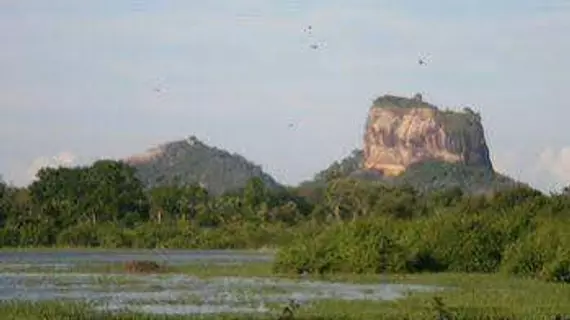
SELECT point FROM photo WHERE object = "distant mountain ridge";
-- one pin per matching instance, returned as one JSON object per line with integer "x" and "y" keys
{"x": 406, "y": 142}
{"x": 191, "y": 161}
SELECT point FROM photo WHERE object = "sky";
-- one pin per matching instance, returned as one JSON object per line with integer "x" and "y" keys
{"x": 78, "y": 78}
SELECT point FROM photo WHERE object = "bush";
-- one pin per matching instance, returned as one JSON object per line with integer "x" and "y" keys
{"x": 462, "y": 243}
{"x": 453, "y": 241}
{"x": 362, "y": 246}
{"x": 143, "y": 266}
{"x": 113, "y": 236}
{"x": 80, "y": 235}
{"x": 543, "y": 253}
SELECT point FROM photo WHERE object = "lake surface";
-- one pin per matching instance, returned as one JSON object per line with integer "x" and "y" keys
{"x": 172, "y": 257}
{"x": 170, "y": 293}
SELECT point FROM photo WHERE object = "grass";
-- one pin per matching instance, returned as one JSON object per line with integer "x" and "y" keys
{"x": 475, "y": 296}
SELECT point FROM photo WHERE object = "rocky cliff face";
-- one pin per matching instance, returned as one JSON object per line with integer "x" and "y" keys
{"x": 404, "y": 131}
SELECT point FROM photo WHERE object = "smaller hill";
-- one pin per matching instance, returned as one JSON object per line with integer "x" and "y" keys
{"x": 191, "y": 161}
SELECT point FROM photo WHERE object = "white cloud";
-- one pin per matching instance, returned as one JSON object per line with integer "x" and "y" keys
{"x": 503, "y": 162}
{"x": 63, "y": 159}
{"x": 556, "y": 162}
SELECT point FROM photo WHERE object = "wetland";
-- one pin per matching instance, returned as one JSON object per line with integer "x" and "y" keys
{"x": 96, "y": 277}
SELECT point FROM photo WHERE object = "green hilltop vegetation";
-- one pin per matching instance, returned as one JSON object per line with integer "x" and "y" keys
{"x": 392, "y": 101}
{"x": 425, "y": 176}
{"x": 191, "y": 161}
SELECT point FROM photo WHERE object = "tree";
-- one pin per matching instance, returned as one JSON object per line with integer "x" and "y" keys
{"x": 566, "y": 191}
{"x": 106, "y": 191}
{"x": 254, "y": 193}
{"x": 172, "y": 202}
{"x": 3, "y": 202}
{"x": 116, "y": 192}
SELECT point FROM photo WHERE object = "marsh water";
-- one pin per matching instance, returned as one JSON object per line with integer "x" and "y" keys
{"x": 31, "y": 276}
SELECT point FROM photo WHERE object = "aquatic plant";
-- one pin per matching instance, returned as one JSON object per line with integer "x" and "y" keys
{"x": 143, "y": 266}
{"x": 288, "y": 312}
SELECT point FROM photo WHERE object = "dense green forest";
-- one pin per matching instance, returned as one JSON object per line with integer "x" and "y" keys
{"x": 345, "y": 225}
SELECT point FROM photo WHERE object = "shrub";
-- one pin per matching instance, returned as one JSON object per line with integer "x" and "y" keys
{"x": 361, "y": 246}
{"x": 80, "y": 235}
{"x": 446, "y": 241}
{"x": 544, "y": 253}
{"x": 142, "y": 266}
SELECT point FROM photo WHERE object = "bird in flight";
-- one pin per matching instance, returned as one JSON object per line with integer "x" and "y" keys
{"x": 309, "y": 29}
{"x": 158, "y": 87}
{"x": 421, "y": 62}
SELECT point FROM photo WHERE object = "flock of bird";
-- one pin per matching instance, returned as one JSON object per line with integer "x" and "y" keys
{"x": 309, "y": 31}
{"x": 159, "y": 89}
{"x": 314, "y": 46}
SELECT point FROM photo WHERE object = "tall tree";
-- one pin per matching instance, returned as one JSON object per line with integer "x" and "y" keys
{"x": 115, "y": 193}
{"x": 107, "y": 191}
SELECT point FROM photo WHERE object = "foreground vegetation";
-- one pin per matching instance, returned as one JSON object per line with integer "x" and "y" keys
{"x": 516, "y": 243}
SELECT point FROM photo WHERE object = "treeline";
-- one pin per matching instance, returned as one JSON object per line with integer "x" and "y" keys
{"x": 105, "y": 205}
{"x": 518, "y": 232}
{"x": 346, "y": 225}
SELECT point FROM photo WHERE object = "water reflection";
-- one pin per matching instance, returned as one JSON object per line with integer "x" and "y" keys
{"x": 173, "y": 257}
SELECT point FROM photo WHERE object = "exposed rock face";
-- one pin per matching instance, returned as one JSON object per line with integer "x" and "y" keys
{"x": 401, "y": 131}
{"x": 146, "y": 156}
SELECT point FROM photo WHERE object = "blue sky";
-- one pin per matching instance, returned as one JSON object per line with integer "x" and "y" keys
{"x": 78, "y": 78}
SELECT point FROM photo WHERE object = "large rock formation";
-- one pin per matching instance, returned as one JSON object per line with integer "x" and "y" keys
{"x": 401, "y": 131}
{"x": 410, "y": 142}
